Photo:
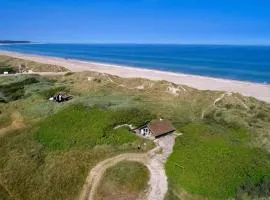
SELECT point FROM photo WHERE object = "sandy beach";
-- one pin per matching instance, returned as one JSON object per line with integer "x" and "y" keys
{"x": 259, "y": 91}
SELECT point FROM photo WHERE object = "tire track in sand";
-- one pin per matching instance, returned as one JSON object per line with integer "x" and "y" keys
{"x": 154, "y": 160}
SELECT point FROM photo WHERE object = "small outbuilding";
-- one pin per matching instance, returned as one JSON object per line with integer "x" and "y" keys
{"x": 155, "y": 128}
{"x": 60, "y": 97}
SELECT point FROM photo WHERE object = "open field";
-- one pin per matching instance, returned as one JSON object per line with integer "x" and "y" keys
{"x": 49, "y": 157}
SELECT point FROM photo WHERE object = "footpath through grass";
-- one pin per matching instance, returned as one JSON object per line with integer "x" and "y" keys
{"x": 126, "y": 179}
{"x": 215, "y": 162}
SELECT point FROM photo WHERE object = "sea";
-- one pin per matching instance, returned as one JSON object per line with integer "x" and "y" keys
{"x": 245, "y": 63}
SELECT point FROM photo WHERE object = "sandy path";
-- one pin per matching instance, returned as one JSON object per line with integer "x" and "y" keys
{"x": 97, "y": 172}
{"x": 154, "y": 161}
{"x": 158, "y": 180}
{"x": 259, "y": 91}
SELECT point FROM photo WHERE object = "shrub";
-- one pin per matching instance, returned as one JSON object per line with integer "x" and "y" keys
{"x": 259, "y": 190}
{"x": 7, "y": 69}
{"x": 132, "y": 116}
{"x": 69, "y": 73}
{"x": 52, "y": 91}
{"x": 15, "y": 91}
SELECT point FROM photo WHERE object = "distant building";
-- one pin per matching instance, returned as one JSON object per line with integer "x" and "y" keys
{"x": 155, "y": 128}
{"x": 60, "y": 97}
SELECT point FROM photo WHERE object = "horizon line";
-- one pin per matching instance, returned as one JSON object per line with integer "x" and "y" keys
{"x": 142, "y": 43}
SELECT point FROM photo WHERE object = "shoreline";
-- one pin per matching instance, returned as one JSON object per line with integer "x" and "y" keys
{"x": 258, "y": 90}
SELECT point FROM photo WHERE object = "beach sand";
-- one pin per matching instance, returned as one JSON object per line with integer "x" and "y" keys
{"x": 259, "y": 91}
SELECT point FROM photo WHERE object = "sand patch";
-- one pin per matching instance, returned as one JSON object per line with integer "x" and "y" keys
{"x": 176, "y": 89}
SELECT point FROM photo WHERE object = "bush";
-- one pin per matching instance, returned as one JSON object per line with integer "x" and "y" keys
{"x": 52, "y": 91}
{"x": 132, "y": 116}
{"x": 69, "y": 73}
{"x": 15, "y": 91}
{"x": 262, "y": 115}
{"x": 259, "y": 190}
{"x": 7, "y": 69}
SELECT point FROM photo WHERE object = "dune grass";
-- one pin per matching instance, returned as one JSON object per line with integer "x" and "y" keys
{"x": 126, "y": 179}
{"x": 50, "y": 160}
{"x": 25, "y": 65}
{"x": 214, "y": 161}
{"x": 79, "y": 126}
{"x": 28, "y": 171}
{"x": 5, "y": 119}
{"x": 15, "y": 91}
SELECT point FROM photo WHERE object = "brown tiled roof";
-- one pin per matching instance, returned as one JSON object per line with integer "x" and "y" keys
{"x": 160, "y": 127}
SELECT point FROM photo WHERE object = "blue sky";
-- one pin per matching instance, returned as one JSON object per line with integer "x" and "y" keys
{"x": 137, "y": 21}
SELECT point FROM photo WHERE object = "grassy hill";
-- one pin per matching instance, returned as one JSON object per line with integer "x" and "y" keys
{"x": 223, "y": 153}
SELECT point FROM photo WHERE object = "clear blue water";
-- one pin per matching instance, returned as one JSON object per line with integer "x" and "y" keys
{"x": 248, "y": 63}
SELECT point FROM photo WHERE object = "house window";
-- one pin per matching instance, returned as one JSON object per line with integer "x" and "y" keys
{"x": 145, "y": 131}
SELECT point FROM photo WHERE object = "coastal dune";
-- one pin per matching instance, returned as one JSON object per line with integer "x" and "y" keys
{"x": 259, "y": 91}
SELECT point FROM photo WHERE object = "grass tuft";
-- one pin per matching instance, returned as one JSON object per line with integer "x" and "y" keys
{"x": 15, "y": 91}
{"x": 126, "y": 179}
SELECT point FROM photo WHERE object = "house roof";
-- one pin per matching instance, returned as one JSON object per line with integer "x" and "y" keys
{"x": 160, "y": 127}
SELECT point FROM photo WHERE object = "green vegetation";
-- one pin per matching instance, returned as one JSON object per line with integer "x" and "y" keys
{"x": 35, "y": 164}
{"x": 214, "y": 161}
{"x": 69, "y": 73}
{"x": 35, "y": 167}
{"x": 15, "y": 91}
{"x": 78, "y": 126}
{"x": 237, "y": 111}
{"x": 28, "y": 171}
{"x": 221, "y": 154}
{"x": 126, "y": 179}
{"x": 52, "y": 91}
{"x": 5, "y": 119}
{"x": 6, "y": 69}
{"x": 4, "y": 194}
{"x": 20, "y": 65}
{"x": 259, "y": 190}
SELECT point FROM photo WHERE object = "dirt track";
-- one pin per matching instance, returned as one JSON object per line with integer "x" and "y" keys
{"x": 154, "y": 160}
